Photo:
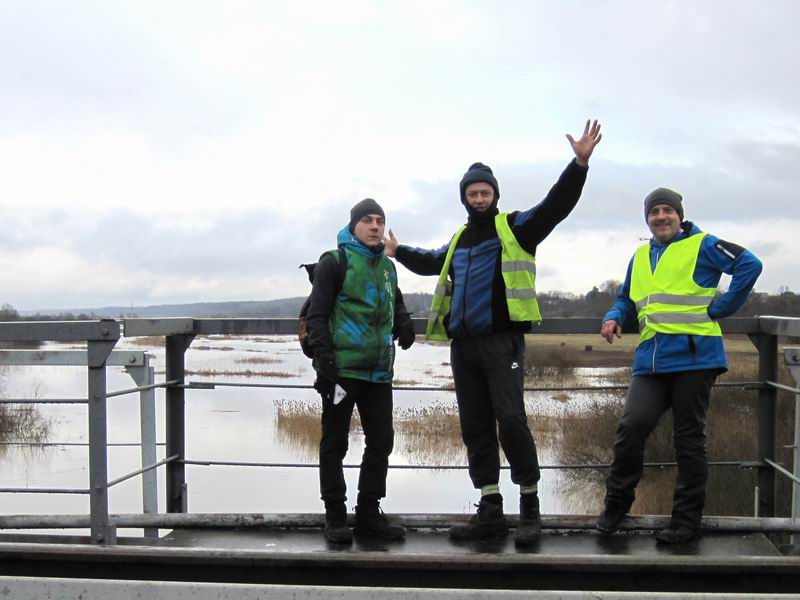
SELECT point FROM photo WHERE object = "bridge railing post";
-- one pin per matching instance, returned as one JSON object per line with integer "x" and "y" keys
{"x": 176, "y": 346}
{"x": 144, "y": 375}
{"x": 767, "y": 345}
{"x": 791, "y": 358}
{"x": 101, "y": 529}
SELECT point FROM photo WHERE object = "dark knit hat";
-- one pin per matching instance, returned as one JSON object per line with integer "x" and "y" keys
{"x": 478, "y": 173}
{"x": 367, "y": 206}
{"x": 664, "y": 196}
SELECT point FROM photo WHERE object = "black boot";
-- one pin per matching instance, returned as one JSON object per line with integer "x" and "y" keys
{"x": 336, "y": 530}
{"x": 488, "y": 522}
{"x": 609, "y": 519}
{"x": 530, "y": 524}
{"x": 675, "y": 535}
{"x": 371, "y": 522}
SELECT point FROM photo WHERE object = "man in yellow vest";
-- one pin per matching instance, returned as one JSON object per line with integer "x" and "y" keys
{"x": 670, "y": 289}
{"x": 485, "y": 301}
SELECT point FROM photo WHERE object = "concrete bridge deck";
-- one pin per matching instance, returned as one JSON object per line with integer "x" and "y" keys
{"x": 734, "y": 563}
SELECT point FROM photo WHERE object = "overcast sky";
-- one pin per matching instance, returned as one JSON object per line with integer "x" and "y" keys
{"x": 165, "y": 151}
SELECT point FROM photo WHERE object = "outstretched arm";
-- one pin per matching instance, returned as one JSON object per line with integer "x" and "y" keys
{"x": 584, "y": 146}
{"x": 416, "y": 260}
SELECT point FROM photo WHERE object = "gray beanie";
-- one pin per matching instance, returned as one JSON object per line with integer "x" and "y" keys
{"x": 367, "y": 206}
{"x": 664, "y": 196}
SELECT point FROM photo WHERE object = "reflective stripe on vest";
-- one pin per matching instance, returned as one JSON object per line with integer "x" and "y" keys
{"x": 667, "y": 299}
{"x": 519, "y": 275}
{"x": 442, "y": 295}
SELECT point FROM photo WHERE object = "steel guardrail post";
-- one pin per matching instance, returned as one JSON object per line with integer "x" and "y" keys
{"x": 144, "y": 375}
{"x": 176, "y": 346}
{"x": 791, "y": 358}
{"x": 102, "y": 531}
{"x": 767, "y": 345}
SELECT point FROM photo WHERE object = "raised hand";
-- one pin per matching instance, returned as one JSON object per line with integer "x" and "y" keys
{"x": 584, "y": 147}
{"x": 390, "y": 245}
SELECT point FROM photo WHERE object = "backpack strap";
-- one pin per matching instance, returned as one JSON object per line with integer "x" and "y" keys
{"x": 342, "y": 267}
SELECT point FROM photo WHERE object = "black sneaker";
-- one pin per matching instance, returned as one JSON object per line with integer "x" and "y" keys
{"x": 371, "y": 522}
{"x": 488, "y": 522}
{"x": 609, "y": 519}
{"x": 530, "y": 524}
{"x": 336, "y": 530}
{"x": 676, "y": 535}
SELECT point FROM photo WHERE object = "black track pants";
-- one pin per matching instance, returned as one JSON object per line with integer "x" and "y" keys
{"x": 374, "y": 401}
{"x": 649, "y": 397}
{"x": 489, "y": 378}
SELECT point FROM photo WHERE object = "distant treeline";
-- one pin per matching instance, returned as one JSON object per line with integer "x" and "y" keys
{"x": 597, "y": 301}
{"x": 593, "y": 303}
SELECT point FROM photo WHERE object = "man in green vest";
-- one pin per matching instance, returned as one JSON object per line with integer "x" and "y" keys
{"x": 670, "y": 289}
{"x": 352, "y": 324}
{"x": 485, "y": 302}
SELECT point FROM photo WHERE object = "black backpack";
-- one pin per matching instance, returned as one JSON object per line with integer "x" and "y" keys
{"x": 302, "y": 328}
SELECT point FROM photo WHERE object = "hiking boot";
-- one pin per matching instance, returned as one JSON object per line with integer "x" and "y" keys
{"x": 609, "y": 519}
{"x": 530, "y": 524}
{"x": 371, "y": 522}
{"x": 336, "y": 530}
{"x": 675, "y": 535}
{"x": 488, "y": 522}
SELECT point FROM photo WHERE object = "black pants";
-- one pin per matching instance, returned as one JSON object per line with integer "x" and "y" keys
{"x": 649, "y": 397}
{"x": 489, "y": 373}
{"x": 374, "y": 401}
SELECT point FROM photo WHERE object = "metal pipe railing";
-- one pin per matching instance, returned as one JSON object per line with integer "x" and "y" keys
{"x": 101, "y": 336}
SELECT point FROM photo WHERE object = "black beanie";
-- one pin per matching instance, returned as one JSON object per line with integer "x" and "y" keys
{"x": 664, "y": 196}
{"x": 478, "y": 173}
{"x": 367, "y": 206}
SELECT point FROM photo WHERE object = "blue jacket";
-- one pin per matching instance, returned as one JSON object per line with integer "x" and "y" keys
{"x": 479, "y": 300}
{"x": 667, "y": 353}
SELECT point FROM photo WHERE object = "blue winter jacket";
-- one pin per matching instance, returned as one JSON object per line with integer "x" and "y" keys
{"x": 667, "y": 352}
{"x": 479, "y": 304}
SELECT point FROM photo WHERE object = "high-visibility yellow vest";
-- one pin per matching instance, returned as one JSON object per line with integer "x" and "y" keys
{"x": 519, "y": 275}
{"x": 667, "y": 299}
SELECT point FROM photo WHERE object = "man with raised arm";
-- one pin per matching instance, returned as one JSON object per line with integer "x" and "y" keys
{"x": 671, "y": 290}
{"x": 485, "y": 302}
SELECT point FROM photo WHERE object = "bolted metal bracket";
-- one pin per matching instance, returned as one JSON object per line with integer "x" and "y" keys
{"x": 98, "y": 353}
{"x": 791, "y": 357}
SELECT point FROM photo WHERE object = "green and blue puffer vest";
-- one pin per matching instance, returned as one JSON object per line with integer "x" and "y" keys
{"x": 363, "y": 316}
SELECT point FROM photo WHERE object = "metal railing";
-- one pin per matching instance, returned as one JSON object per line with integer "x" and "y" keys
{"x": 101, "y": 337}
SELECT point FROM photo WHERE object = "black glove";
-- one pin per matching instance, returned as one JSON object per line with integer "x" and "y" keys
{"x": 326, "y": 377}
{"x": 404, "y": 332}
{"x": 324, "y": 387}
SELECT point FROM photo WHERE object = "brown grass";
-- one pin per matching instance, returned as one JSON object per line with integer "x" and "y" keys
{"x": 430, "y": 434}
{"x": 222, "y": 348}
{"x": 22, "y": 422}
{"x": 590, "y": 350}
{"x": 257, "y": 360}
{"x": 240, "y": 373}
{"x": 152, "y": 341}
